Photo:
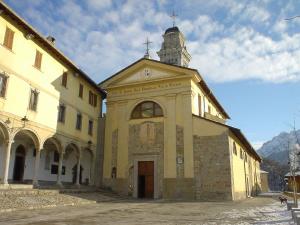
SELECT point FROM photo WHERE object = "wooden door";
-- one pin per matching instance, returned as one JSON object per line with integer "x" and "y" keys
{"x": 145, "y": 179}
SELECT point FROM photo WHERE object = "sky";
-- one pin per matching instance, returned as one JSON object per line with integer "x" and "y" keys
{"x": 247, "y": 51}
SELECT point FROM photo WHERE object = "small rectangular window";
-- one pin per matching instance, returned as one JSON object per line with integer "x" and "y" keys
{"x": 3, "y": 83}
{"x": 90, "y": 98}
{"x": 199, "y": 105}
{"x": 54, "y": 169}
{"x": 61, "y": 113}
{"x": 95, "y": 100}
{"x": 90, "y": 131}
{"x": 8, "y": 38}
{"x": 34, "y": 94}
{"x": 234, "y": 148}
{"x": 78, "y": 121}
{"x": 64, "y": 79}
{"x": 38, "y": 60}
{"x": 80, "y": 91}
{"x": 209, "y": 109}
{"x": 241, "y": 153}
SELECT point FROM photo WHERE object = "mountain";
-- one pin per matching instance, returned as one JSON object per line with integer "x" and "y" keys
{"x": 276, "y": 154}
{"x": 278, "y": 148}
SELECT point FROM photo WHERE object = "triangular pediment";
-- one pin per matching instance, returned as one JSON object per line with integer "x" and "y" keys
{"x": 145, "y": 70}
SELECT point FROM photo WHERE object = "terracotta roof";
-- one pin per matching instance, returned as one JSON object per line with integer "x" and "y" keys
{"x": 48, "y": 45}
{"x": 238, "y": 133}
{"x": 202, "y": 83}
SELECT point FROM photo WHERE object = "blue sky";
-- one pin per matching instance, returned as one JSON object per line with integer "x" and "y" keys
{"x": 246, "y": 50}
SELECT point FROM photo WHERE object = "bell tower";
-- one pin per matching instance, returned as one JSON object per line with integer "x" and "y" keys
{"x": 173, "y": 49}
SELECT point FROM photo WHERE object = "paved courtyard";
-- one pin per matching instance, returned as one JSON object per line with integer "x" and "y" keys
{"x": 260, "y": 210}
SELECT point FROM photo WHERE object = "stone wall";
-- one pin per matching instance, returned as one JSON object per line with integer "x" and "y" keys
{"x": 212, "y": 167}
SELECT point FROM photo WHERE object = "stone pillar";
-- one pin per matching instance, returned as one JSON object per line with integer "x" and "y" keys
{"x": 78, "y": 169}
{"x": 6, "y": 162}
{"x": 37, "y": 167}
{"x": 60, "y": 162}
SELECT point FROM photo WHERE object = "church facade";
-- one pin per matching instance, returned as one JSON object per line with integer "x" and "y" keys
{"x": 166, "y": 134}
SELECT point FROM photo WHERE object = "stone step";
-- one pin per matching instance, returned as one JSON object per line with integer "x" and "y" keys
{"x": 15, "y": 186}
{"x": 25, "y": 192}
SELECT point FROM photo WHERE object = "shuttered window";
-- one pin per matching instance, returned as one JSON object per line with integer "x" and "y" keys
{"x": 61, "y": 113}
{"x": 95, "y": 100}
{"x": 78, "y": 121}
{"x": 92, "y": 99}
{"x": 90, "y": 128}
{"x": 3, "y": 83}
{"x": 199, "y": 105}
{"x": 38, "y": 60}
{"x": 8, "y": 38}
{"x": 64, "y": 80}
{"x": 34, "y": 94}
{"x": 80, "y": 91}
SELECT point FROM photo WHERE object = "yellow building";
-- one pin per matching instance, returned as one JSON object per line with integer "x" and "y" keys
{"x": 166, "y": 134}
{"x": 49, "y": 110}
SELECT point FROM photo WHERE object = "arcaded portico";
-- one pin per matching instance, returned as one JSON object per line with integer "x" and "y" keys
{"x": 28, "y": 156}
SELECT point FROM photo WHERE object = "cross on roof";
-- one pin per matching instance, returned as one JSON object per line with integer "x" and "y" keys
{"x": 147, "y": 43}
{"x": 173, "y": 16}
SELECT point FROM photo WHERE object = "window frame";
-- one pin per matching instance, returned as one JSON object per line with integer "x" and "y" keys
{"x": 38, "y": 60}
{"x": 61, "y": 116}
{"x": 90, "y": 127}
{"x": 80, "y": 92}
{"x": 8, "y": 38}
{"x": 241, "y": 154}
{"x": 3, "y": 88}
{"x": 33, "y": 103}
{"x": 64, "y": 79}
{"x": 138, "y": 110}
{"x": 234, "y": 148}
{"x": 78, "y": 124}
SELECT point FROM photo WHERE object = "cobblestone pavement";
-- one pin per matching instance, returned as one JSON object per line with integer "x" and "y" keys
{"x": 12, "y": 201}
{"x": 258, "y": 210}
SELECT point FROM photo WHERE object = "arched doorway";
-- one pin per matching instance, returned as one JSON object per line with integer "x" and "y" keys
{"x": 23, "y": 156}
{"x": 49, "y": 164}
{"x": 19, "y": 164}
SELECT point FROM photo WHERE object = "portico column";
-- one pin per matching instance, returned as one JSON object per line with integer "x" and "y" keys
{"x": 60, "y": 163}
{"x": 78, "y": 169}
{"x": 6, "y": 162}
{"x": 37, "y": 167}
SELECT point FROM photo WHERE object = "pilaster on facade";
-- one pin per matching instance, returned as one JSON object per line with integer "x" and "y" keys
{"x": 170, "y": 137}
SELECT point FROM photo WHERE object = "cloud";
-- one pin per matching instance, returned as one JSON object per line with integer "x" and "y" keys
{"x": 229, "y": 40}
{"x": 98, "y": 4}
{"x": 257, "y": 144}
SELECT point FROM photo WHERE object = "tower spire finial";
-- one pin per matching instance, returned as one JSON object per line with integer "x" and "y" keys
{"x": 147, "y": 43}
{"x": 173, "y": 16}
